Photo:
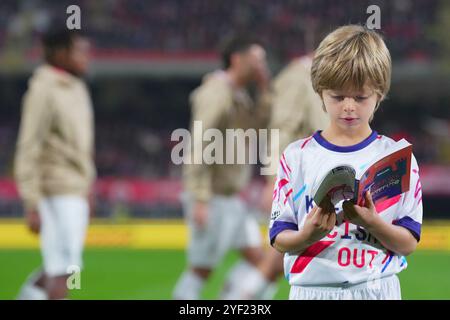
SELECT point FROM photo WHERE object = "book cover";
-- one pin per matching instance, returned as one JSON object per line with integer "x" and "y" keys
{"x": 387, "y": 176}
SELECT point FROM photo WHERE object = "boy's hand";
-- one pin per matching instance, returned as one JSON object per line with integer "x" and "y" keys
{"x": 362, "y": 216}
{"x": 319, "y": 222}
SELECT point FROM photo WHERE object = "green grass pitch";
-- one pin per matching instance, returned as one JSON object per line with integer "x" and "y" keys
{"x": 151, "y": 274}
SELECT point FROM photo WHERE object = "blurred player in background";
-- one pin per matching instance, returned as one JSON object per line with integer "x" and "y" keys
{"x": 217, "y": 218}
{"x": 297, "y": 113}
{"x": 54, "y": 167}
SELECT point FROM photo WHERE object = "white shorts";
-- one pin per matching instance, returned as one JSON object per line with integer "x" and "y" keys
{"x": 64, "y": 220}
{"x": 380, "y": 289}
{"x": 229, "y": 226}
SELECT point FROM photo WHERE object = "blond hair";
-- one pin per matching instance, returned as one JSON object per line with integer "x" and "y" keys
{"x": 349, "y": 58}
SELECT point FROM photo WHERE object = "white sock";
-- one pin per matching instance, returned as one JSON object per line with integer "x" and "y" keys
{"x": 189, "y": 286}
{"x": 230, "y": 290}
{"x": 245, "y": 282}
{"x": 269, "y": 292}
{"x": 30, "y": 291}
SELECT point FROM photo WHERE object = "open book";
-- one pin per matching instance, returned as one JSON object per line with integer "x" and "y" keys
{"x": 386, "y": 176}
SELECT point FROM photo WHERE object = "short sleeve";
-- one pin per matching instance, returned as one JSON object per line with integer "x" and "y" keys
{"x": 283, "y": 211}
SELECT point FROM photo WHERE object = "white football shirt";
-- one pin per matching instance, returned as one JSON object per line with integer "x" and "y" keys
{"x": 349, "y": 254}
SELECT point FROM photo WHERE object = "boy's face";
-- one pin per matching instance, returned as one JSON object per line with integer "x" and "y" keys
{"x": 350, "y": 109}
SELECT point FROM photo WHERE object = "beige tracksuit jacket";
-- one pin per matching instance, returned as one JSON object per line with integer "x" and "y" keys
{"x": 54, "y": 153}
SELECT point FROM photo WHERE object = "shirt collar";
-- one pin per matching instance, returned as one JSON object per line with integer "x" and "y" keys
{"x": 356, "y": 147}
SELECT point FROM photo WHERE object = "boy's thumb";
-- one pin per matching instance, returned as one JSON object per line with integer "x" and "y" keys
{"x": 369, "y": 201}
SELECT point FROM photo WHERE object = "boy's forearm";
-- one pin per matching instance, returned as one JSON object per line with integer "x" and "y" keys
{"x": 394, "y": 238}
{"x": 291, "y": 241}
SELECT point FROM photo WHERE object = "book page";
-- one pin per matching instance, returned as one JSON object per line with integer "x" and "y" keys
{"x": 338, "y": 184}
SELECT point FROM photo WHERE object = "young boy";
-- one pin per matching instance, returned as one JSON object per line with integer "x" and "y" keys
{"x": 347, "y": 252}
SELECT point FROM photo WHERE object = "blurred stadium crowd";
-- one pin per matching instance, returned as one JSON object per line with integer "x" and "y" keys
{"x": 194, "y": 25}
